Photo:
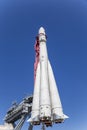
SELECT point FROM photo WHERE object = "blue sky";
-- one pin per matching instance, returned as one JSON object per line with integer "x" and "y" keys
{"x": 65, "y": 22}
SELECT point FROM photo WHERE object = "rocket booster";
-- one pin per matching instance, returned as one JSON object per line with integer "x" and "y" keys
{"x": 46, "y": 106}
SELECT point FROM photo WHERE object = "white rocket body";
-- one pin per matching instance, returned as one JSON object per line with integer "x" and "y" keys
{"x": 46, "y": 106}
{"x": 36, "y": 99}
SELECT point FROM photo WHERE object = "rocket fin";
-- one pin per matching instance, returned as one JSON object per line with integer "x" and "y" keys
{"x": 34, "y": 121}
{"x": 59, "y": 119}
{"x": 65, "y": 116}
{"x": 29, "y": 120}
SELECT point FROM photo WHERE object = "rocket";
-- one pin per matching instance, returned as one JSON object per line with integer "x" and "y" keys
{"x": 46, "y": 105}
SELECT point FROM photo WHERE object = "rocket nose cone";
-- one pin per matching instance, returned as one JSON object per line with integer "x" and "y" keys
{"x": 41, "y": 30}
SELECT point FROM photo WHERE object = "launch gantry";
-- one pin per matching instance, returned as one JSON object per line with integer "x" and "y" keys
{"x": 19, "y": 112}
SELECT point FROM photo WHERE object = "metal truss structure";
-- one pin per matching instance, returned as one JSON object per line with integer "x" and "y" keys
{"x": 18, "y": 113}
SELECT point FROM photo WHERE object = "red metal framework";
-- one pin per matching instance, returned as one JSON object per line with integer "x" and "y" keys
{"x": 37, "y": 53}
